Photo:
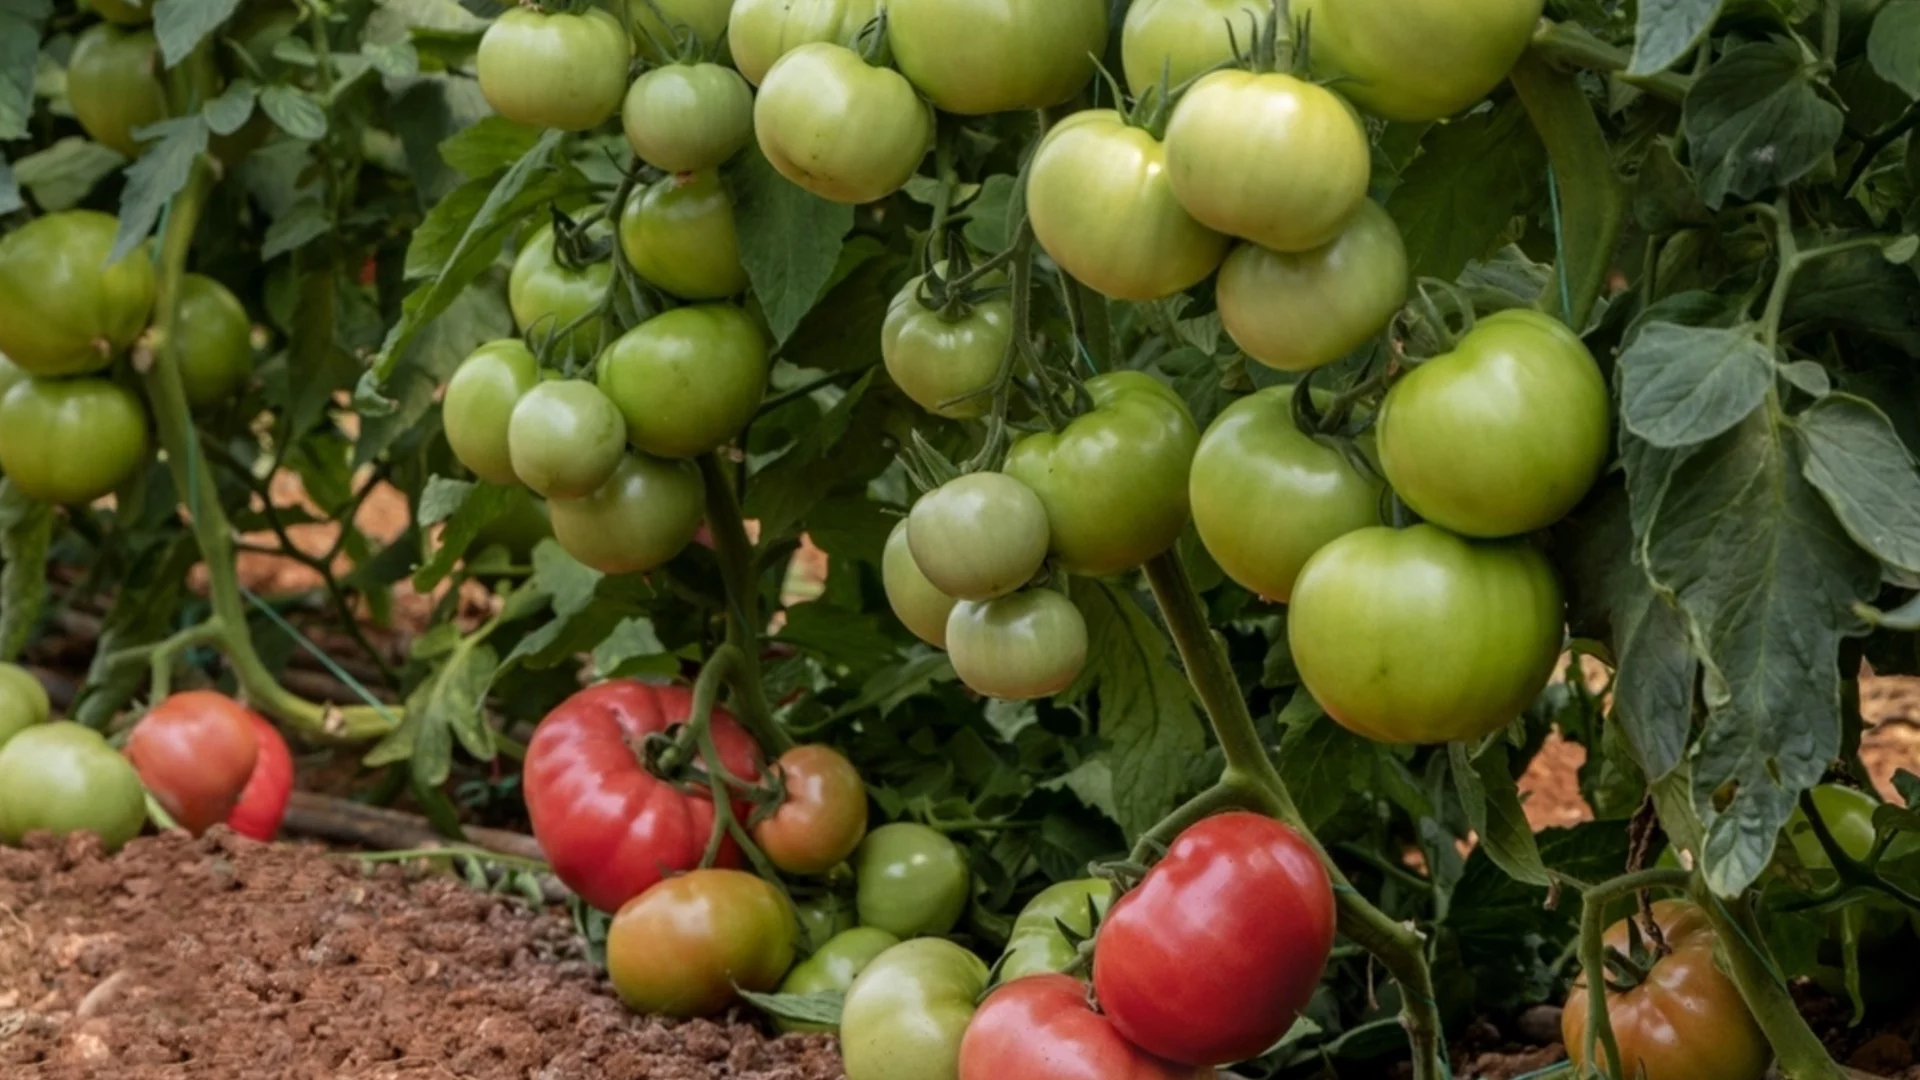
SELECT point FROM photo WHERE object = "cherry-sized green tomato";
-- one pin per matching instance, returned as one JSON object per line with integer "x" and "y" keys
{"x": 938, "y": 357}
{"x": 912, "y": 880}
{"x": 547, "y": 294}
{"x": 907, "y": 1012}
{"x": 1266, "y": 496}
{"x": 979, "y": 536}
{"x": 70, "y": 440}
{"x": 687, "y": 381}
{"x": 1183, "y": 38}
{"x": 688, "y": 117}
{"x": 23, "y": 701}
{"x": 1268, "y": 158}
{"x": 63, "y": 778}
{"x": 1484, "y": 621}
{"x": 565, "y": 439}
{"x": 683, "y": 947}
{"x": 645, "y": 513}
{"x": 1101, "y": 206}
{"x": 974, "y": 57}
{"x": 919, "y": 604}
{"x": 1036, "y": 946}
{"x": 839, "y": 127}
{"x": 1028, "y": 645}
{"x": 760, "y": 32}
{"x": 1114, "y": 482}
{"x": 833, "y": 967}
{"x": 63, "y": 309}
{"x": 124, "y": 12}
{"x": 113, "y": 84}
{"x": 554, "y": 70}
{"x": 1502, "y": 436}
{"x": 479, "y": 402}
{"x": 706, "y": 20}
{"x": 1417, "y": 60}
{"x": 679, "y": 234}
{"x": 216, "y": 341}
{"x": 1298, "y": 312}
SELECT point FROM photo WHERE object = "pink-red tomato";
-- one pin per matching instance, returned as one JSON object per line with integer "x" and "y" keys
{"x": 1042, "y": 1028}
{"x": 196, "y": 752}
{"x": 263, "y": 804}
{"x": 824, "y": 816}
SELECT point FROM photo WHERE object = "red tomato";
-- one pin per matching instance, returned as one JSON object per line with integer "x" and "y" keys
{"x": 610, "y": 828}
{"x": 1041, "y": 1028}
{"x": 1212, "y": 957}
{"x": 263, "y": 805}
{"x": 195, "y": 752}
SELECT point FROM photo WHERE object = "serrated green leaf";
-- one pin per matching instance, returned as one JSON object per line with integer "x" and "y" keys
{"x": 1492, "y": 801}
{"x": 822, "y": 1008}
{"x": 306, "y": 222}
{"x": 181, "y": 25}
{"x": 63, "y": 174}
{"x": 564, "y": 578}
{"x": 1756, "y": 120}
{"x": 1683, "y": 385}
{"x": 1667, "y": 30}
{"x": 482, "y": 504}
{"x": 441, "y": 498}
{"x": 790, "y": 240}
{"x": 157, "y": 177}
{"x": 1856, "y": 460}
{"x": 632, "y": 639}
{"x": 1457, "y": 200}
{"x": 1893, "y": 46}
{"x": 485, "y": 148}
{"x": 1317, "y": 759}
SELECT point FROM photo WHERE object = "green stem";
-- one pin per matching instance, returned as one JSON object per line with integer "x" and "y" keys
{"x": 1799, "y": 1052}
{"x": 943, "y": 194}
{"x": 1593, "y": 954}
{"x": 1233, "y": 792}
{"x": 1571, "y": 45}
{"x": 1593, "y": 200}
{"x": 724, "y": 663}
{"x": 744, "y": 625}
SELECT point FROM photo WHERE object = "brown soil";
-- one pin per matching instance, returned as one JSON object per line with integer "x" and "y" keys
{"x": 221, "y": 958}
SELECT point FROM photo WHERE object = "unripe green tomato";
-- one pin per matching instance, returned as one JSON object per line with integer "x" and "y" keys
{"x": 842, "y": 129}
{"x": 1298, "y": 312}
{"x": 907, "y": 1012}
{"x": 552, "y": 69}
{"x": 760, "y": 32}
{"x": 643, "y": 516}
{"x": 479, "y": 405}
{"x": 688, "y": 117}
{"x": 70, "y": 440}
{"x": 1036, "y": 946}
{"x": 912, "y": 880}
{"x": 833, "y": 966}
{"x": 113, "y": 84}
{"x": 216, "y": 341}
{"x": 1183, "y": 39}
{"x": 63, "y": 309}
{"x": 1417, "y": 60}
{"x": 937, "y": 360}
{"x": 546, "y": 294}
{"x": 124, "y": 12}
{"x": 565, "y": 439}
{"x": 1029, "y": 645}
{"x": 979, "y": 536}
{"x": 971, "y": 58}
{"x": 63, "y": 778}
{"x": 706, "y": 20}
{"x": 920, "y": 606}
{"x": 23, "y": 701}
{"x": 679, "y": 235}
{"x": 689, "y": 380}
{"x": 10, "y": 373}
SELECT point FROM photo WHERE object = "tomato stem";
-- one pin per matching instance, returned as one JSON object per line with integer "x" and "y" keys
{"x": 735, "y": 552}
{"x": 1594, "y": 202}
{"x": 1800, "y": 1053}
{"x": 1570, "y": 44}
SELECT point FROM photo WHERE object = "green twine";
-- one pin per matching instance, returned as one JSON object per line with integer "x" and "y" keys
{"x": 319, "y": 654}
{"x": 1560, "y": 250}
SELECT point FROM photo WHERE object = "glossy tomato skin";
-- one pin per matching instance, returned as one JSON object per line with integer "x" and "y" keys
{"x": 196, "y": 752}
{"x": 1686, "y": 1022}
{"x": 1485, "y": 618}
{"x": 974, "y": 57}
{"x": 23, "y": 701}
{"x": 1268, "y": 158}
{"x": 1036, "y": 946}
{"x": 678, "y": 233}
{"x": 1114, "y": 481}
{"x": 216, "y": 341}
{"x": 610, "y": 828}
{"x": 63, "y": 309}
{"x": 644, "y": 515}
{"x": 1031, "y": 644}
{"x": 554, "y": 70}
{"x": 687, "y": 381}
{"x": 688, "y": 117}
{"x": 1266, "y": 496}
{"x": 113, "y": 84}
{"x": 1183, "y": 38}
{"x": 979, "y": 536}
{"x": 681, "y": 947}
{"x": 919, "y": 605}
{"x": 1043, "y": 1027}
{"x": 1104, "y": 211}
{"x": 263, "y": 803}
{"x": 937, "y": 359}
{"x": 63, "y": 778}
{"x": 70, "y": 440}
{"x": 1417, "y": 61}
{"x": 912, "y": 880}
{"x": 907, "y": 1013}
{"x": 760, "y": 32}
{"x": 846, "y": 131}
{"x": 824, "y": 816}
{"x": 1298, "y": 312}
{"x": 565, "y": 439}
{"x": 479, "y": 404}
{"x": 833, "y": 966}
{"x": 1212, "y": 957}
{"x": 546, "y": 295}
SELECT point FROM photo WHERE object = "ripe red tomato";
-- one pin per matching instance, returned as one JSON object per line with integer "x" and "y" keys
{"x": 263, "y": 805}
{"x": 1212, "y": 957}
{"x": 1042, "y": 1028}
{"x": 610, "y": 828}
{"x": 196, "y": 752}
{"x": 824, "y": 816}
{"x": 683, "y": 946}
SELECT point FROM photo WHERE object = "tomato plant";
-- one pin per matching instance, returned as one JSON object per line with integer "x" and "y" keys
{"x": 554, "y": 69}
{"x": 196, "y": 752}
{"x": 834, "y": 966}
{"x": 839, "y": 128}
{"x": 1391, "y": 55}
{"x": 979, "y": 536}
{"x": 645, "y": 513}
{"x": 64, "y": 308}
{"x": 974, "y": 59}
{"x": 760, "y": 32}
{"x": 679, "y": 234}
{"x": 263, "y": 802}
{"x": 1037, "y": 945}
{"x": 63, "y": 778}
{"x": 687, "y": 117}
{"x": 686, "y": 946}
{"x": 1301, "y": 311}
{"x": 70, "y": 440}
{"x": 1043, "y": 1026}
{"x": 823, "y": 817}
{"x": 912, "y": 880}
{"x": 713, "y": 358}
{"x": 947, "y": 358}
{"x": 479, "y": 404}
{"x": 1029, "y": 644}
{"x": 565, "y": 439}
{"x": 908, "y": 1011}
{"x": 23, "y": 701}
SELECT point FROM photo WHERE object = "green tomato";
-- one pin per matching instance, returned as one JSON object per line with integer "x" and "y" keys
{"x": 124, "y": 12}
{"x": 1305, "y": 310}
{"x": 912, "y": 880}
{"x": 554, "y": 70}
{"x": 760, "y": 32}
{"x": 1419, "y": 636}
{"x": 113, "y": 84}
{"x": 687, "y": 381}
{"x": 705, "y": 20}
{"x": 979, "y": 536}
{"x": 1502, "y": 436}
{"x": 70, "y": 440}
{"x": 216, "y": 341}
{"x": 1871, "y": 921}
{"x": 1101, "y": 206}
{"x": 1267, "y": 496}
{"x": 920, "y": 606}
{"x": 678, "y": 233}
{"x": 974, "y": 57}
{"x": 938, "y": 357}
{"x": 824, "y": 918}
{"x": 1268, "y": 158}
{"x": 565, "y": 439}
{"x": 833, "y": 967}
{"x": 10, "y": 374}
{"x": 687, "y": 946}
{"x": 688, "y": 117}
{"x": 1417, "y": 60}
{"x": 1036, "y": 946}
{"x": 63, "y": 778}
{"x": 846, "y": 131}
{"x": 1114, "y": 482}
{"x": 546, "y": 294}
{"x": 479, "y": 403}
{"x": 63, "y": 309}
{"x": 1029, "y": 645}
{"x": 23, "y": 701}
{"x": 1183, "y": 39}
{"x": 907, "y": 1012}
{"x": 643, "y": 516}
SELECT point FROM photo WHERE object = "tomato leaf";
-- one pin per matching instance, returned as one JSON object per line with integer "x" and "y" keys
{"x": 1457, "y": 200}
{"x": 63, "y": 174}
{"x": 1867, "y": 475}
{"x": 157, "y": 177}
{"x": 790, "y": 239}
{"x": 1492, "y": 800}
{"x": 483, "y": 149}
{"x": 20, "y": 22}
{"x": 181, "y": 25}
{"x": 230, "y": 111}
{"x": 1755, "y": 121}
{"x": 821, "y": 1008}
{"x": 10, "y": 200}
{"x": 1893, "y": 46}
{"x": 633, "y": 649}
{"x": 26, "y": 531}
{"x": 294, "y": 112}
{"x": 1683, "y": 385}
{"x": 466, "y": 509}
{"x": 1320, "y": 760}
{"x": 1667, "y": 30}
